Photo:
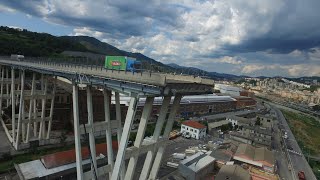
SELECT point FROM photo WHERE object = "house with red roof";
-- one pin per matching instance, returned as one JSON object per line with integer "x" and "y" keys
{"x": 193, "y": 129}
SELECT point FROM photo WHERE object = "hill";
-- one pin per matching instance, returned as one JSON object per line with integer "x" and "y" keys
{"x": 16, "y": 41}
{"x": 13, "y": 41}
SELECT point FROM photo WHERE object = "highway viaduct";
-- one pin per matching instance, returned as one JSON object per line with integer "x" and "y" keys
{"x": 30, "y": 122}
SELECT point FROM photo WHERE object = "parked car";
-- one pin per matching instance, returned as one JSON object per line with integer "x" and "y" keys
{"x": 301, "y": 175}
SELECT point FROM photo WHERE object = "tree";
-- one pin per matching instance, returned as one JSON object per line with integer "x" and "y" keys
{"x": 226, "y": 127}
{"x": 258, "y": 121}
{"x": 316, "y": 107}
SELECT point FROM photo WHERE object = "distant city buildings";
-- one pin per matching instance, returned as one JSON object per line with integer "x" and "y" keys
{"x": 295, "y": 91}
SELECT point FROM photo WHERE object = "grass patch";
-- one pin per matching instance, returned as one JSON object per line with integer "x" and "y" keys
{"x": 315, "y": 166}
{"x": 306, "y": 131}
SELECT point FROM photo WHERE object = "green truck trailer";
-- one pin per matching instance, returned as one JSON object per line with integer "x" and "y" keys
{"x": 116, "y": 62}
{"x": 122, "y": 63}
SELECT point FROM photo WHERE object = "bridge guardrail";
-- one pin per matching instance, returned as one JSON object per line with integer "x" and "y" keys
{"x": 144, "y": 77}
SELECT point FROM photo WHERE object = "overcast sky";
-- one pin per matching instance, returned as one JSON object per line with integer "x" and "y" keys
{"x": 248, "y": 37}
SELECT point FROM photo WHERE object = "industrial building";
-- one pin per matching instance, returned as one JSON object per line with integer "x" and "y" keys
{"x": 230, "y": 172}
{"x": 197, "y": 166}
{"x": 259, "y": 157}
{"x": 227, "y": 89}
{"x": 189, "y": 106}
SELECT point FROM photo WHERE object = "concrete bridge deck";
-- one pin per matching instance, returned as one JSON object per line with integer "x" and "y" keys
{"x": 135, "y": 85}
{"x": 147, "y": 83}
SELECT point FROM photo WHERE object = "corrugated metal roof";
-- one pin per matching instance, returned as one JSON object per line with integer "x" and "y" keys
{"x": 185, "y": 99}
{"x": 245, "y": 149}
{"x": 261, "y": 154}
{"x": 233, "y": 172}
{"x": 198, "y": 161}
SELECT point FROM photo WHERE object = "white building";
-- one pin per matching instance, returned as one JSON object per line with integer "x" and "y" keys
{"x": 239, "y": 121}
{"x": 194, "y": 129}
{"x": 227, "y": 89}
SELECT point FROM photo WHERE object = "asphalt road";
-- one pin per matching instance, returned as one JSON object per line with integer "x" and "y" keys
{"x": 299, "y": 162}
{"x": 280, "y": 156}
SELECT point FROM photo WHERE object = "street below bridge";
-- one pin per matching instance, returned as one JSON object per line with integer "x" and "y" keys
{"x": 297, "y": 162}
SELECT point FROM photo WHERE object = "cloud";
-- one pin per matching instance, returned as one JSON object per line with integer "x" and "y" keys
{"x": 229, "y": 60}
{"x": 252, "y": 68}
{"x": 6, "y": 9}
{"x": 275, "y": 37}
{"x": 121, "y": 18}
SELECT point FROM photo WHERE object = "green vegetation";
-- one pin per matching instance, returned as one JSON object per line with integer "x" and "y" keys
{"x": 306, "y": 131}
{"x": 315, "y": 166}
{"x": 314, "y": 88}
{"x": 34, "y": 44}
{"x": 258, "y": 121}
{"x": 226, "y": 127}
{"x": 316, "y": 107}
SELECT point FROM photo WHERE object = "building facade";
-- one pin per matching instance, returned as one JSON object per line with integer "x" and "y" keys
{"x": 194, "y": 129}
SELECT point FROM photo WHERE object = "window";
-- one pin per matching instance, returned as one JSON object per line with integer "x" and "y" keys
{"x": 191, "y": 130}
{"x": 182, "y": 127}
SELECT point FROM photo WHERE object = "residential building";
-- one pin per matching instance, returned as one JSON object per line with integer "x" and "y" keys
{"x": 239, "y": 121}
{"x": 266, "y": 121}
{"x": 233, "y": 172}
{"x": 194, "y": 129}
{"x": 255, "y": 135}
{"x": 258, "y": 157}
{"x": 197, "y": 166}
{"x": 259, "y": 135}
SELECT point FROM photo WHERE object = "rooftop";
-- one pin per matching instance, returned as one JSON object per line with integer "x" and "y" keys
{"x": 69, "y": 156}
{"x": 198, "y": 161}
{"x": 233, "y": 172}
{"x": 222, "y": 155}
{"x": 206, "y": 98}
{"x": 261, "y": 154}
{"x": 260, "y": 130}
{"x": 240, "y": 119}
{"x": 194, "y": 124}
